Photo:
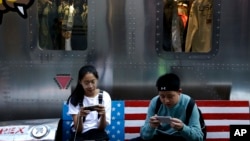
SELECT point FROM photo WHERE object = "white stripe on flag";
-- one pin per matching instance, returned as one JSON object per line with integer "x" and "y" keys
{"x": 134, "y": 123}
{"x": 210, "y": 135}
{"x": 135, "y": 110}
{"x": 221, "y": 110}
{"x": 139, "y": 110}
{"x": 225, "y": 122}
{"x": 131, "y": 135}
{"x": 139, "y": 123}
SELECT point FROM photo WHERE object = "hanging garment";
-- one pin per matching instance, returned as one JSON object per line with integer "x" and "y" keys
{"x": 199, "y": 27}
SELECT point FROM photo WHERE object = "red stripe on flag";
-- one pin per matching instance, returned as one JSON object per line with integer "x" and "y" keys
{"x": 218, "y": 128}
{"x": 200, "y": 103}
{"x": 135, "y": 116}
{"x": 207, "y": 116}
{"x": 137, "y": 103}
{"x": 132, "y": 129}
{"x": 218, "y": 116}
{"x": 214, "y": 139}
{"x": 209, "y": 129}
{"x": 219, "y": 139}
{"x": 221, "y": 103}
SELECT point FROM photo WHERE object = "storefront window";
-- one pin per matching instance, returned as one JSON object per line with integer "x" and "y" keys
{"x": 186, "y": 25}
{"x": 63, "y": 24}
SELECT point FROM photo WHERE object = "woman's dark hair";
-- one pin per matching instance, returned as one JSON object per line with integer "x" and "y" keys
{"x": 78, "y": 93}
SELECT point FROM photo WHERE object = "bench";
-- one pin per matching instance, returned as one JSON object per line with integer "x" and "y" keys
{"x": 115, "y": 130}
{"x": 129, "y": 115}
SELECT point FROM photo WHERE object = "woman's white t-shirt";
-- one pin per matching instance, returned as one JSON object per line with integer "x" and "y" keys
{"x": 91, "y": 120}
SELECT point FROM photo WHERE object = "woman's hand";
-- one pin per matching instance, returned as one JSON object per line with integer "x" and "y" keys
{"x": 83, "y": 112}
{"x": 100, "y": 109}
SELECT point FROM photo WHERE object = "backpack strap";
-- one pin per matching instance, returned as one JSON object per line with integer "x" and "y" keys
{"x": 201, "y": 119}
{"x": 80, "y": 102}
{"x": 100, "y": 99}
{"x": 158, "y": 105}
{"x": 189, "y": 110}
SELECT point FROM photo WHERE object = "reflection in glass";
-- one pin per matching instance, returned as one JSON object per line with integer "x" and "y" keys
{"x": 62, "y": 24}
{"x": 187, "y": 25}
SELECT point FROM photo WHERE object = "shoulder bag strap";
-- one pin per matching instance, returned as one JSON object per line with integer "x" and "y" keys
{"x": 189, "y": 110}
{"x": 100, "y": 99}
{"x": 158, "y": 104}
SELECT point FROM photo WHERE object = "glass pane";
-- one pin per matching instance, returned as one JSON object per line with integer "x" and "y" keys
{"x": 63, "y": 24}
{"x": 187, "y": 25}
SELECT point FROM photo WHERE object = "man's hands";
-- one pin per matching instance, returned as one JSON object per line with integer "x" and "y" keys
{"x": 154, "y": 122}
{"x": 175, "y": 123}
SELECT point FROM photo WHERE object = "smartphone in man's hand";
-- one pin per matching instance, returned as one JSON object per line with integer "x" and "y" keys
{"x": 164, "y": 119}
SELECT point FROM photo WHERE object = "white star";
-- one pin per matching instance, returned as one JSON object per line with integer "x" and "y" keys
{"x": 118, "y": 131}
{"x": 113, "y": 136}
{"x": 118, "y": 104}
{"x": 118, "y": 122}
{"x": 68, "y": 122}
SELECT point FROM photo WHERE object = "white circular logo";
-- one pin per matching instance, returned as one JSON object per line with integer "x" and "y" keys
{"x": 39, "y": 131}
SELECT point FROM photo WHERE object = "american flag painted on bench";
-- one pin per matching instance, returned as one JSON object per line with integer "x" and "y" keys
{"x": 131, "y": 115}
{"x": 116, "y": 129}
{"x": 218, "y": 115}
